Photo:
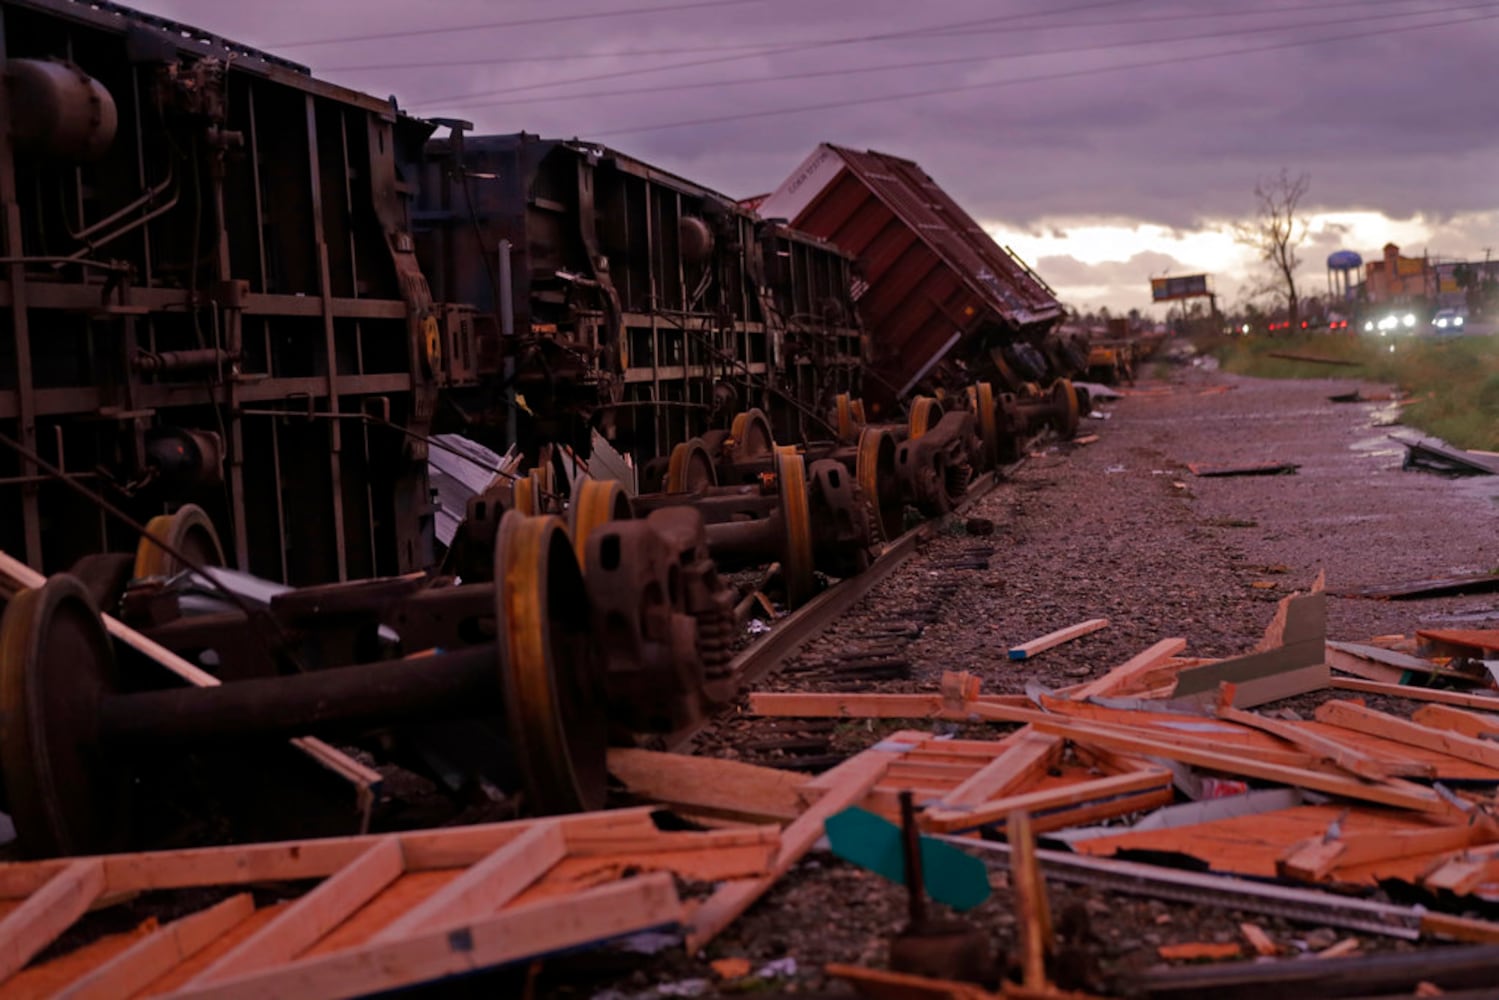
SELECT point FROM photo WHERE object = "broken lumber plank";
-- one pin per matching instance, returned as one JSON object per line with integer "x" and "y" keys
{"x": 1368, "y": 848}
{"x": 1346, "y": 757}
{"x": 293, "y": 860}
{"x": 589, "y": 917}
{"x": 724, "y": 787}
{"x": 1347, "y": 946}
{"x": 1256, "y": 469}
{"x": 858, "y": 775}
{"x": 48, "y": 912}
{"x": 1375, "y": 663}
{"x": 1462, "y": 873}
{"x": 867, "y": 706}
{"x": 882, "y": 984}
{"x": 1422, "y": 800}
{"x": 1032, "y": 910}
{"x": 303, "y": 923}
{"x": 1455, "y": 928}
{"x": 366, "y": 780}
{"x": 486, "y": 886}
{"x": 1311, "y": 860}
{"x": 1311, "y": 359}
{"x": 1290, "y": 659}
{"x": 1476, "y": 583}
{"x": 1479, "y": 642}
{"x": 1479, "y": 701}
{"x": 135, "y": 968}
{"x": 944, "y": 820}
{"x": 1474, "y": 725}
{"x": 1026, "y": 650}
{"x": 589, "y": 844}
{"x": 1258, "y": 939}
{"x": 1195, "y": 951}
{"x": 1119, "y": 678}
{"x": 1019, "y": 764}
{"x": 1350, "y": 715}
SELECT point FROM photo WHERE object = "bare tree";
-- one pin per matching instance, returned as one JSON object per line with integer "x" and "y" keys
{"x": 1277, "y": 231}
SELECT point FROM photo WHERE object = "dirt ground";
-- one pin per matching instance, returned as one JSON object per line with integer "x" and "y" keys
{"x": 1117, "y": 529}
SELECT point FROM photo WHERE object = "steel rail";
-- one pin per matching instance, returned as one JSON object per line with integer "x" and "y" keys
{"x": 811, "y": 619}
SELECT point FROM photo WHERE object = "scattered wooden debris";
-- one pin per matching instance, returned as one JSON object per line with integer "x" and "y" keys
{"x": 1439, "y": 456}
{"x": 1029, "y": 649}
{"x": 1476, "y": 583}
{"x": 389, "y": 910}
{"x": 1199, "y": 951}
{"x": 1258, "y": 939}
{"x": 1311, "y": 359}
{"x": 1203, "y": 471}
{"x": 709, "y": 786}
{"x": 1290, "y": 659}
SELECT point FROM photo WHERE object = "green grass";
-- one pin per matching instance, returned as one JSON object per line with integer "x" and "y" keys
{"x": 1453, "y": 382}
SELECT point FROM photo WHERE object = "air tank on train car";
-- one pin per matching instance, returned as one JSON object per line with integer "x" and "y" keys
{"x": 57, "y": 111}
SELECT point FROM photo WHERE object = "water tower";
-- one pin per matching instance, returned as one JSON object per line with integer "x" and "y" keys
{"x": 1339, "y": 265}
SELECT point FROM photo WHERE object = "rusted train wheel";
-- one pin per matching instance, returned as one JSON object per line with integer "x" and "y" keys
{"x": 555, "y": 710}
{"x": 925, "y": 412}
{"x": 690, "y": 468}
{"x": 798, "y": 561}
{"x": 55, "y": 664}
{"x": 875, "y": 471}
{"x": 189, "y": 531}
{"x": 595, "y": 503}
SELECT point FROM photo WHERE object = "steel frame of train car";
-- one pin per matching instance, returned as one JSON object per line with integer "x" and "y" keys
{"x": 208, "y": 267}
{"x": 214, "y": 292}
{"x": 628, "y": 285}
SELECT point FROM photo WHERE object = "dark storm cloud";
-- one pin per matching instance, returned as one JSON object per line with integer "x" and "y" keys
{"x": 1399, "y": 123}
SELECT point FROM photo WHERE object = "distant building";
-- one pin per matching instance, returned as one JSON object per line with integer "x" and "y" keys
{"x": 1440, "y": 281}
{"x": 1396, "y": 278}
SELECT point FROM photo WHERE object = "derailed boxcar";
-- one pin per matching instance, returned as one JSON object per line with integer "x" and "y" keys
{"x": 613, "y": 295}
{"x": 934, "y": 285}
{"x": 209, "y": 294}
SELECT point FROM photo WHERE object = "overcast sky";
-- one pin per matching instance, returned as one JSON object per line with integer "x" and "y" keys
{"x": 1106, "y": 141}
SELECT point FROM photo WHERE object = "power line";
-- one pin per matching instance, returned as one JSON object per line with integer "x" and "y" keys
{"x": 796, "y": 47}
{"x": 959, "y": 60}
{"x": 757, "y": 48}
{"x": 516, "y": 23}
{"x": 1038, "y": 78}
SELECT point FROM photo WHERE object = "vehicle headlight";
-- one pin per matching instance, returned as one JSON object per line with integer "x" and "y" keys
{"x": 1368, "y": 325}
{"x": 1410, "y": 319}
{"x": 1442, "y": 323}
{"x": 1457, "y": 321}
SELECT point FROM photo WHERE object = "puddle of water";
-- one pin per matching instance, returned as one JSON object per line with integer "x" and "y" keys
{"x": 1378, "y": 447}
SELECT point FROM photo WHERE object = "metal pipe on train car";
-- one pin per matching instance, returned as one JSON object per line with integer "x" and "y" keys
{"x": 507, "y": 330}
{"x": 369, "y": 695}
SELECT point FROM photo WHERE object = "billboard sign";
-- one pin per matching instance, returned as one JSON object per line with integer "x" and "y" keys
{"x": 1187, "y": 286}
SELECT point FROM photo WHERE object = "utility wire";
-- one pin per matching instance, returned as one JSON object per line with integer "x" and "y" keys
{"x": 757, "y": 48}
{"x": 794, "y": 47}
{"x": 959, "y": 60}
{"x": 1037, "y": 78}
{"x": 515, "y": 23}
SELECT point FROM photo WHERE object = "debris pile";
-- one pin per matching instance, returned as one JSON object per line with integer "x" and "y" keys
{"x": 1156, "y": 779}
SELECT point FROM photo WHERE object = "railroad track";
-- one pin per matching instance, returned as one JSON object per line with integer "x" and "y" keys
{"x": 776, "y": 647}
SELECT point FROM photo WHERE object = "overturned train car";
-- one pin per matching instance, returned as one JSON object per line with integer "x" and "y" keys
{"x": 228, "y": 283}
